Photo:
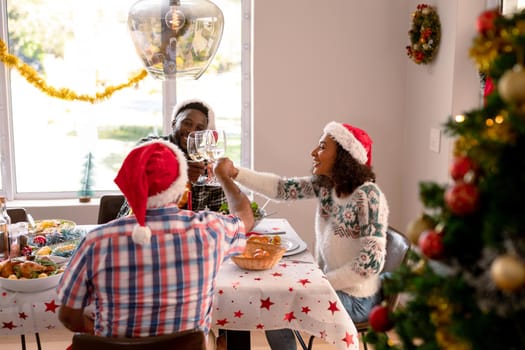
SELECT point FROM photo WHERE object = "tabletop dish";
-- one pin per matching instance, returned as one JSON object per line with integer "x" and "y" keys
{"x": 30, "y": 285}
{"x": 259, "y": 256}
{"x": 43, "y": 227}
{"x": 289, "y": 243}
{"x": 301, "y": 247}
{"x": 31, "y": 275}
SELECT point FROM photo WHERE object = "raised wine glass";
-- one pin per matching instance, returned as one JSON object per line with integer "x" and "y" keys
{"x": 215, "y": 144}
{"x": 215, "y": 148}
{"x": 197, "y": 149}
{"x": 197, "y": 143}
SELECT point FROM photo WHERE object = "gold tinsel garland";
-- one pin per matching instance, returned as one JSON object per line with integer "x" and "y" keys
{"x": 34, "y": 78}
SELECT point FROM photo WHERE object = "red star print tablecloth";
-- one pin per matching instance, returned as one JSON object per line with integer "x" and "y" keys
{"x": 294, "y": 294}
{"x": 26, "y": 313}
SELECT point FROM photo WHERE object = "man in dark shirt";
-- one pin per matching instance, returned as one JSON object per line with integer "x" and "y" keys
{"x": 191, "y": 115}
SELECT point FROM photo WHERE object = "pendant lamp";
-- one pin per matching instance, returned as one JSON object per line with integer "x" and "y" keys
{"x": 176, "y": 38}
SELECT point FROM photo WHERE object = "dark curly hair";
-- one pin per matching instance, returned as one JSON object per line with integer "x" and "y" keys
{"x": 347, "y": 173}
{"x": 194, "y": 105}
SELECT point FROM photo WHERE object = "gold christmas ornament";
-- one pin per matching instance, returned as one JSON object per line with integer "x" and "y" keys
{"x": 418, "y": 225}
{"x": 508, "y": 273}
{"x": 511, "y": 86}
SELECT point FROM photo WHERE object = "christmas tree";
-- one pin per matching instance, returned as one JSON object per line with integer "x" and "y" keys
{"x": 86, "y": 180}
{"x": 464, "y": 282}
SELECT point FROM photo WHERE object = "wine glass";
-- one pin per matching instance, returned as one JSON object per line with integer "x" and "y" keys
{"x": 215, "y": 148}
{"x": 197, "y": 149}
{"x": 197, "y": 145}
{"x": 215, "y": 144}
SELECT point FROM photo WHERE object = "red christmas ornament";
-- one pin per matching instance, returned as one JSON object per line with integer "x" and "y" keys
{"x": 485, "y": 21}
{"x": 460, "y": 167}
{"x": 489, "y": 88}
{"x": 462, "y": 198}
{"x": 431, "y": 244}
{"x": 40, "y": 240}
{"x": 379, "y": 320}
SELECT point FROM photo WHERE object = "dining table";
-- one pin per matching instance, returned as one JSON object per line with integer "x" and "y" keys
{"x": 294, "y": 294}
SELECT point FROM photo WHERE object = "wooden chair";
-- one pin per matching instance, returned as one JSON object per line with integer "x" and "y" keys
{"x": 397, "y": 247}
{"x": 109, "y": 208}
{"x": 17, "y": 214}
{"x": 186, "y": 340}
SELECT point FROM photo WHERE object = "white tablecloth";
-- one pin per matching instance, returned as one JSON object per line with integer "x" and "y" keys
{"x": 294, "y": 294}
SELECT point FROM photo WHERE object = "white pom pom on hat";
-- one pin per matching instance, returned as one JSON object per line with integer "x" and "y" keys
{"x": 183, "y": 104}
{"x": 354, "y": 140}
{"x": 141, "y": 234}
{"x": 153, "y": 174}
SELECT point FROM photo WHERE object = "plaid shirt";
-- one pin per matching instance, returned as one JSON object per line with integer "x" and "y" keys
{"x": 157, "y": 288}
{"x": 203, "y": 197}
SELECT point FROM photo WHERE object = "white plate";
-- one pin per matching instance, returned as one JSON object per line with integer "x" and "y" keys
{"x": 289, "y": 244}
{"x": 30, "y": 285}
{"x": 59, "y": 260}
{"x": 301, "y": 247}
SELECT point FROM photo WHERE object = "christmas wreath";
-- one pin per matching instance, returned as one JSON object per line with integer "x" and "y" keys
{"x": 424, "y": 35}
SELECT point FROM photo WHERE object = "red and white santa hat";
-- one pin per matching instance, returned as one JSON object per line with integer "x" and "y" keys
{"x": 197, "y": 104}
{"x": 153, "y": 174}
{"x": 354, "y": 140}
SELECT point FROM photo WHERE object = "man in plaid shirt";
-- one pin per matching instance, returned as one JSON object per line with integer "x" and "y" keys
{"x": 191, "y": 115}
{"x": 153, "y": 272}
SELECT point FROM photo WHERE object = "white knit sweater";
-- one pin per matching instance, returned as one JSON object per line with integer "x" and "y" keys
{"x": 350, "y": 232}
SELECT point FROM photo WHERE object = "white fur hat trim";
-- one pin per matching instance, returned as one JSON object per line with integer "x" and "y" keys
{"x": 347, "y": 140}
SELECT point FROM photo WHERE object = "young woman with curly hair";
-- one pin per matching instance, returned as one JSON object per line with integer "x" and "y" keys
{"x": 351, "y": 217}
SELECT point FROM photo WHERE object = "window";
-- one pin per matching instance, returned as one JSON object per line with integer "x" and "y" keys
{"x": 511, "y": 6}
{"x": 85, "y": 46}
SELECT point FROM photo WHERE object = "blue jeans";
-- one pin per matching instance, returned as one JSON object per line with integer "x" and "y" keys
{"x": 357, "y": 308}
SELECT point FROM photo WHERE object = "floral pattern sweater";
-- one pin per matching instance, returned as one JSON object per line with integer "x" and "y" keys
{"x": 350, "y": 231}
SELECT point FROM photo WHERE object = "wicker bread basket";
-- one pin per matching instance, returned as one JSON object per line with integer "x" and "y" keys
{"x": 245, "y": 261}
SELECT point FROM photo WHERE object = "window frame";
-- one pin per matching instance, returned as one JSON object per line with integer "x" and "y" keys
{"x": 169, "y": 99}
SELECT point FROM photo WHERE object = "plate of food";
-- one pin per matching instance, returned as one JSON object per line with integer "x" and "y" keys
{"x": 287, "y": 243}
{"x": 63, "y": 250}
{"x": 258, "y": 212}
{"x": 44, "y": 227}
{"x": 259, "y": 255}
{"x": 22, "y": 275}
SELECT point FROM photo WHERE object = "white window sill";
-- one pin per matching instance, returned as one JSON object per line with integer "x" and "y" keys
{"x": 68, "y": 209}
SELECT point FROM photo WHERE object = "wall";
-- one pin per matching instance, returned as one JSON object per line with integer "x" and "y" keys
{"x": 450, "y": 85}
{"x": 317, "y": 62}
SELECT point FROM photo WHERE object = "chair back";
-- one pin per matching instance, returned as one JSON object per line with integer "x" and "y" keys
{"x": 17, "y": 214}
{"x": 397, "y": 247}
{"x": 109, "y": 208}
{"x": 192, "y": 339}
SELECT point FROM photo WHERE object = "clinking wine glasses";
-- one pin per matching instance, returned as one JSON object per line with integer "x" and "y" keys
{"x": 207, "y": 145}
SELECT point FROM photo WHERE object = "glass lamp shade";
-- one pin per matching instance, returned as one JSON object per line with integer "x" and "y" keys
{"x": 176, "y": 38}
